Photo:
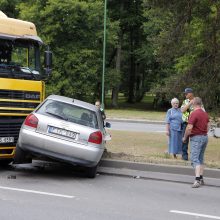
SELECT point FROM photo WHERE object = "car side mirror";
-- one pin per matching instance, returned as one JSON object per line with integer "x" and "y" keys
{"x": 108, "y": 125}
{"x": 48, "y": 61}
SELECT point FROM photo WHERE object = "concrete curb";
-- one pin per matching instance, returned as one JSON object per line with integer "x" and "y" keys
{"x": 157, "y": 172}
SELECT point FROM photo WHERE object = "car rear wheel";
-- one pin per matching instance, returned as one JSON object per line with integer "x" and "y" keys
{"x": 5, "y": 162}
{"x": 91, "y": 171}
{"x": 21, "y": 156}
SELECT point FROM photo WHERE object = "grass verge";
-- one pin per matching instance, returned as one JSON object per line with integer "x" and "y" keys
{"x": 141, "y": 110}
{"x": 152, "y": 147}
{"x": 135, "y": 114}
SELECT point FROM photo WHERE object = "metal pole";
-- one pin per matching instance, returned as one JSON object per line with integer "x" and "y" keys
{"x": 104, "y": 47}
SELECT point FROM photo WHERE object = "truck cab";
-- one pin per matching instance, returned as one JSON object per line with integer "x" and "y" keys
{"x": 22, "y": 87}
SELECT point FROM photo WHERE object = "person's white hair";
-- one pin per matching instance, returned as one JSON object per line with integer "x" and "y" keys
{"x": 174, "y": 100}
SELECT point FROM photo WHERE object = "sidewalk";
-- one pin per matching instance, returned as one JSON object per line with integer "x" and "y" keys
{"x": 158, "y": 172}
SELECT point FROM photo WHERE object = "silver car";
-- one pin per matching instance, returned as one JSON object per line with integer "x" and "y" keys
{"x": 64, "y": 129}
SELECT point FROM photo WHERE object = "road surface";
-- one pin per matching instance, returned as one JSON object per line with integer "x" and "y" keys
{"x": 136, "y": 126}
{"x": 39, "y": 192}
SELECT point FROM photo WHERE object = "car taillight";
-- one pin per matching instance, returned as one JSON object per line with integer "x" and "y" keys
{"x": 95, "y": 137}
{"x": 31, "y": 121}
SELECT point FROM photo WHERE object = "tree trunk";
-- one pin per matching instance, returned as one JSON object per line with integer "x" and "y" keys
{"x": 115, "y": 90}
{"x": 132, "y": 70}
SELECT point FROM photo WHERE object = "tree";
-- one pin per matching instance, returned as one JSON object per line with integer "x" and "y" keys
{"x": 128, "y": 59}
{"x": 74, "y": 31}
{"x": 189, "y": 45}
{"x": 8, "y": 7}
{"x": 155, "y": 45}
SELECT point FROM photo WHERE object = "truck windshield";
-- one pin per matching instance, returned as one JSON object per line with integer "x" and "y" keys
{"x": 19, "y": 59}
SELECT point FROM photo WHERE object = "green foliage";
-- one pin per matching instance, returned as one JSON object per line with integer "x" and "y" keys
{"x": 74, "y": 31}
{"x": 163, "y": 46}
{"x": 188, "y": 46}
{"x": 113, "y": 77}
{"x": 8, "y": 7}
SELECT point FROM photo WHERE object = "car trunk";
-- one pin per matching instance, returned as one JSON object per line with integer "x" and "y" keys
{"x": 63, "y": 129}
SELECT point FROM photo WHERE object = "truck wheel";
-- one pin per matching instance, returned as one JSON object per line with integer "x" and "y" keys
{"x": 91, "y": 171}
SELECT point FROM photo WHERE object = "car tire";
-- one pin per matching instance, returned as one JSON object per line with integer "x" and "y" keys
{"x": 5, "y": 162}
{"x": 21, "y": 156}
{"x": 91, "y": 171}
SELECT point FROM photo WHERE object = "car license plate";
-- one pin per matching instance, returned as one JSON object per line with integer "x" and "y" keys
{"x": 62, "y": 132}
{"x": 6, "y": 139}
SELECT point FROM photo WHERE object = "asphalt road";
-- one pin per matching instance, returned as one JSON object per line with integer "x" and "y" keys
{"x": 136, "y": 126}
{"x": 54, "y": 191}
{"x": 139, "y": 126}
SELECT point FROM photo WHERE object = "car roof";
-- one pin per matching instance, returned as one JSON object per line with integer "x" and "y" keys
{"x": 73, "y": 101}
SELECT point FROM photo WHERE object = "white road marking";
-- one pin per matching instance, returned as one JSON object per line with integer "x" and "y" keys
{"x": 37, "y": 192}
{"x": 195, "y": 214}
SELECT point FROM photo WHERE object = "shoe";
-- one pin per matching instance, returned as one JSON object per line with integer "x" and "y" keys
{"x": 202, "y": 183}
{"x": 196, "y": 184}
{"x": 184, "y": 158}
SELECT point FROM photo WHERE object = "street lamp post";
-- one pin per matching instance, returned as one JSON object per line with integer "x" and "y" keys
{"x": 103, "y": 60}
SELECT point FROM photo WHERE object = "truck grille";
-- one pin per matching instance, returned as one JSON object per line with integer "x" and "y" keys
{"x": 10, "y": 127}
{"x": 17, "y": 94}
{"x": 16, "y": 105}
{"x": 19, "y": 104}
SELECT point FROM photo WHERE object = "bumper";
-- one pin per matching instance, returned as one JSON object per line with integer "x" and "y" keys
{"x": 59, "y": 149}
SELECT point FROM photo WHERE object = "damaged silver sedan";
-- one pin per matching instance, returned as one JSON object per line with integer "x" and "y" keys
{"x": 64, "y": 129}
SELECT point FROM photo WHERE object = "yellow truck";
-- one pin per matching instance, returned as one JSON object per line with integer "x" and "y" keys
{"x": 22, "y": 87}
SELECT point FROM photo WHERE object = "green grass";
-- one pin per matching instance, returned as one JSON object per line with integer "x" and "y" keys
{"x": 145, "y": 104}
{"x": 148, "y": 147}
{"x": 152, "y": 148}
{"x": 141, "y": 110}
{"x": 135, "y": 114}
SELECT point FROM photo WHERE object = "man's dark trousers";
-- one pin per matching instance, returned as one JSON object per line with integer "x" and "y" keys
{"x": 185, "y": 145}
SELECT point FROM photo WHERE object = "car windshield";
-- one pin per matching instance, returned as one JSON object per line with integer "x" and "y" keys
{"x": 19, "y": 59}
{"x": 69, "y": 112}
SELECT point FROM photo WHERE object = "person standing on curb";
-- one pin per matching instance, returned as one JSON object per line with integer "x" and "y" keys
{"x": 197, "y": 130}
{"x": 186, "y": 109}
{"x": 98, "y": 105}
{"x": 173, "y": 128}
